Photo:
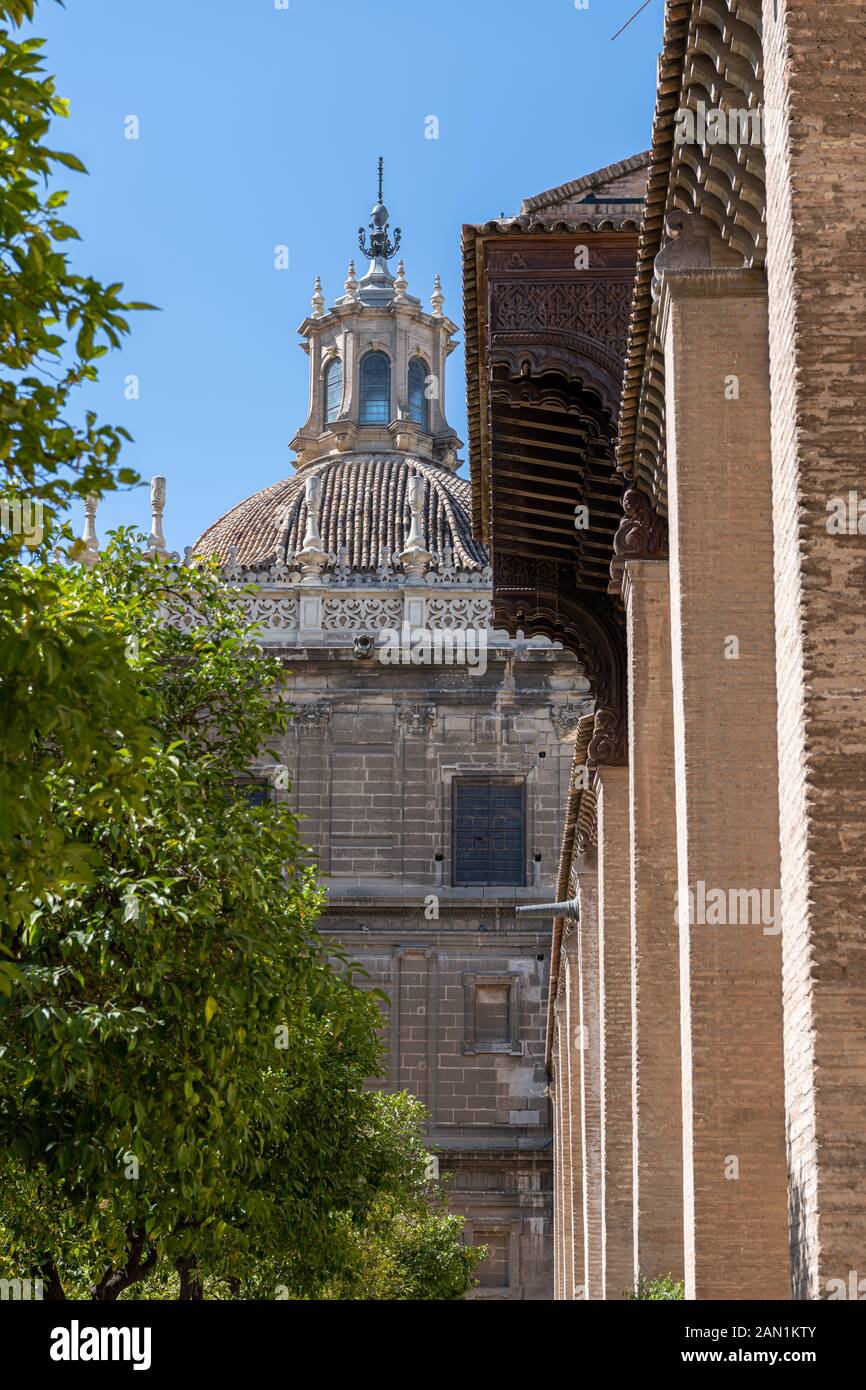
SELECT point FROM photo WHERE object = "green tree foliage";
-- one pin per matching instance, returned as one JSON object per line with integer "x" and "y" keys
{"x": 660, "y": 1290}
{"x": 54, "y": 324}
{"x": 182, "y": 1070}
{"x": 412, "y": 1256}
{"x": 65, "y": 691}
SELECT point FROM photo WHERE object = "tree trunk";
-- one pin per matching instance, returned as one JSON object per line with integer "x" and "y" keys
{"x": 190, "y": 1281}
{"x": 114, "y": 1281}
{"x": 52, "y": 1288}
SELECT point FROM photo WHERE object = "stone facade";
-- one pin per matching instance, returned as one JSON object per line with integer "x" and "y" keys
{"x": 372, "y": 768}
{"x": 429, "y": 753}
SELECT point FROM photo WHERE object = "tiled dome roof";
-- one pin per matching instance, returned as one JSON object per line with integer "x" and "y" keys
{"x": 363, "y": 507}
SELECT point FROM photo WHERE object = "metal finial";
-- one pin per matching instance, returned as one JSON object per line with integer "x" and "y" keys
{"x": 381, "y": 247}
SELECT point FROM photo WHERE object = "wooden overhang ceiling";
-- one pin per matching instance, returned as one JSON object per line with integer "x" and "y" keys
{"x": 547, "y": 303}
{"x": 539, "y": 246}
{"x": 552, "y": 454}
{"x": 544, "y": 364}
{"x": 711, "y": 60}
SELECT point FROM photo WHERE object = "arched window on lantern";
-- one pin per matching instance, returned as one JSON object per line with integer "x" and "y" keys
{"x": 418, "y": 404}
{"x": 333, "y": 389}
{"x": 375, "y": 389}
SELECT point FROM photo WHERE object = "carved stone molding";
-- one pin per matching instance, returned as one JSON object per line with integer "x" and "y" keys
{"x": 416, "y": 718}
{"x": 313, "y": 718}
{"x": 366, "y": 613}
{"x": 642, "y": 535}
{"x": 275, "y": 611}
{"x": 566, "y": 718}
{"x": 459, "y": 613}
{"x": 692, "y": 242}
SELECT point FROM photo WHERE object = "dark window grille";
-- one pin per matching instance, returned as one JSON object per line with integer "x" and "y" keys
{"x": 492, "y": 1273}
{"x": 333, "y": 390}
{"x": 418, "y": 404}
{"x": 256, "y": 792}
{"x": 488, "y": 833}
{"x": 375, "y": 389}
{"x": 492, "y": 1023}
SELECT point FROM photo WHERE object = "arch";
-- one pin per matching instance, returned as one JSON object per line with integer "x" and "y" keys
{"x": 375, "y": 406}
{"x": 333, "y": 390}
{"x": 419, "y": 406}
{"x": 539, "y": 599}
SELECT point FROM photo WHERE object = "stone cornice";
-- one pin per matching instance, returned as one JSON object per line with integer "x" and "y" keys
{"x": 402, "y": 309}
{"x": 711, "y": 282}
{"x": 642, "y": 571}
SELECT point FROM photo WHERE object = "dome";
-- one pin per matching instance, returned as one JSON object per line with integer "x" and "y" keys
{"x": 363, "y": 507}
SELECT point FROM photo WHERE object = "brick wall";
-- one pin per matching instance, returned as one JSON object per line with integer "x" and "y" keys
{"x": 815, "y": 61}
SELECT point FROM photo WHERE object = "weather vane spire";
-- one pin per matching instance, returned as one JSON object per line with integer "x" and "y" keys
{"x": 381, "y": 247}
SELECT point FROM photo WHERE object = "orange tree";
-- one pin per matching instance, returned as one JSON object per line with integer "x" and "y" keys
{"x": 182, "y": 1062}
{"x": 65, "y": 694}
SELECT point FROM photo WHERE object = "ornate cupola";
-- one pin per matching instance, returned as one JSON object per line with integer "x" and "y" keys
{"x": 375, "y": 501}
{"x": 377, "y": 362}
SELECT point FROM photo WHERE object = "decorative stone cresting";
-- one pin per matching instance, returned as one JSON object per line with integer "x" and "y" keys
{"x": 416, "y": 718}
{"x": 313, "y": 718}
{"x": 566, "y": 718}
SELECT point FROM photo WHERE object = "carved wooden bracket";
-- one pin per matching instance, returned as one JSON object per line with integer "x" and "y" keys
{"x": 642, "y": 535}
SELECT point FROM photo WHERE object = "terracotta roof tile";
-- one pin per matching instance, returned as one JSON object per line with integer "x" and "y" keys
{"x": 363, "y": 507}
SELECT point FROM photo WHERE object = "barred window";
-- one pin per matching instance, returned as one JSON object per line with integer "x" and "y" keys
{"x": 333, "y": 389}
{"x": 492, "y": 1273}
{"x": 375, "y": 389}
{"x": 256, "y": 791}
{"x": 488, "y": 832}
{"x": 418, "y": 405}
{"x": 492, "y": 1024}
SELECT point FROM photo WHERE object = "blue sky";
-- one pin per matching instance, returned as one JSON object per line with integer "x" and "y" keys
{"x": 260, "y": 126}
